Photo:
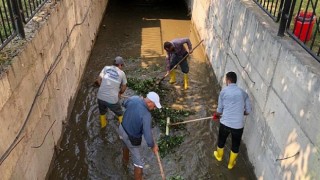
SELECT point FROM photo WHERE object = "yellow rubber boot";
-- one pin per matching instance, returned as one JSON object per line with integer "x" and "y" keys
{"x": 120, "y": 119}
{"x": 172, "y": 76}
{"x": 185, "y": 78}
{"x": 103, "y": 121}
{"x": 232, "y": 160}
{"x": 218, "y": 154}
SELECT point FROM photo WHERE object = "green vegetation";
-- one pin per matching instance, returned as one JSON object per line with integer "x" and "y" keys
{"x": 273, "y": 7}
{"x": 167, "y": 144}
{"x": 6, "y": 26}
{"x": 176, "y": 177}
{"x": 143, "y": 86}
{"x": 160, "y": 117}
{"x": 304, "y": 4}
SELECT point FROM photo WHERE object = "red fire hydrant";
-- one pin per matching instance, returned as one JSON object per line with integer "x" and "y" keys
{"x": 304, "y": 25}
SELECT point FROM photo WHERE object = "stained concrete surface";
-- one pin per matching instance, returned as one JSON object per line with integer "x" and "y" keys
{"x": 136, "y": 31}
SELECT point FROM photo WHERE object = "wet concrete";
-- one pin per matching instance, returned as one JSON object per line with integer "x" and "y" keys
{"x": 136, "y": 30}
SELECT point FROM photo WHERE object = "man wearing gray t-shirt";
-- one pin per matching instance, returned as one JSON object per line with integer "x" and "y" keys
{"x": 113, "y": 83}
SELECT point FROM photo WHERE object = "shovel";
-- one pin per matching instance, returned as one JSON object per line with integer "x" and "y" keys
{"x": 185, "y": 57}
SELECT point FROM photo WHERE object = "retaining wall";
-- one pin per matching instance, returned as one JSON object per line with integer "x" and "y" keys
{"x": 43, "y": 80}
{"x": 283, "y": 82}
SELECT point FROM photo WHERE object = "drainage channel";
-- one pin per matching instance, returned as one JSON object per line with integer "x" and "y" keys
{"x": 136, "y": 31}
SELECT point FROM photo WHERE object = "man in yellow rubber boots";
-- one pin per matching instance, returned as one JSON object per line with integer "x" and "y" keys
{"x": 175, "y": 53}
{"x": 233, "y": 104}
{"x": 113, "y": 82}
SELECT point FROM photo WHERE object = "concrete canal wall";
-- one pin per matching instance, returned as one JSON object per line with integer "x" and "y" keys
{"x": 283, "y": 82}
{"x": 43, "y": 79}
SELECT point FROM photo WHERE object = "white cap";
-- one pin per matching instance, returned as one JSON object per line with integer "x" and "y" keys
{"x": 154, "y": 97}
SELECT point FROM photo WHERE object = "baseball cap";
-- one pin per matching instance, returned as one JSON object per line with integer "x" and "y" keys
{"x": 118, "y": 60}
{"x": 154, "y": 97}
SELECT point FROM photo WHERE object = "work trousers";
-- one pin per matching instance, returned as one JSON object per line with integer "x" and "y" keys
{"x": 175, "y": 59}
{"x": 103, "y": 107}
{"x": 236, "y": 135}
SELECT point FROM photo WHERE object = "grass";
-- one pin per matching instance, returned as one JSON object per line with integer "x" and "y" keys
{"x": 315, "y": 32}
{"x": 6, "y": 26}
{"x": 270, "y": 6}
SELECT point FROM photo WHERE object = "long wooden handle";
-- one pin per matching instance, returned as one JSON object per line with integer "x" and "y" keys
{"x": 193, "y": 120}
{"x": 160, "y": 165}
{"x": 180, "y": 61}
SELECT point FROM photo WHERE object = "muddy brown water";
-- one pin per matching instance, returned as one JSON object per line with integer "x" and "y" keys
{"x": 136, "y": 30}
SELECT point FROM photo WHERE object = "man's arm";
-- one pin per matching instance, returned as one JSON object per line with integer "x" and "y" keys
{"x": 123, "y": 85}
{"x": 99, "y": 78}
{"x": 155, "y": 148}
{"x": 98, "y": 81}
{"x": 147, "y": 130}
{"x": 247, "y": 108}
{"x": 187, "y": 41}
{"x": 122, "y": 89}
{"x": 220, "y": 104}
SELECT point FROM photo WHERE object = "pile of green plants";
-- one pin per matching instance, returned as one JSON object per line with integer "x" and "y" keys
{"x": 160, "y": 117}
{"x": 143, "y": 86}
{"x": 167, "y": 144}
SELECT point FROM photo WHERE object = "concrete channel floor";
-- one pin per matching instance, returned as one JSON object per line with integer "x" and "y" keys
{"x": 136, "y": 30}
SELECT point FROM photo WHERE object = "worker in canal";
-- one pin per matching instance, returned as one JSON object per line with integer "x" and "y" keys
{"x": 113, "y": 82}
{"x": 233, "y": 104}
{"x": 137, "y": 122}
{"x": 175, "y": 53}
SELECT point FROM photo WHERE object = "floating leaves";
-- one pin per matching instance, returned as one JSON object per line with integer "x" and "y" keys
{"x": 143, "y": 86}
{"x": 168, "y": 143}
{"x": 160, "y": 117}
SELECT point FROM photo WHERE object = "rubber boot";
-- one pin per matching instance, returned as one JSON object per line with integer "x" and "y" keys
{"x": 137, "y": 173}
{"x": 185, "y": 78}
{"x": 120, "y": 119}
{"x": 218, "y": 154}
{"x": 232, "y": 160}
{"x": 172, "y": 76}
{"x": 103, "y": 120}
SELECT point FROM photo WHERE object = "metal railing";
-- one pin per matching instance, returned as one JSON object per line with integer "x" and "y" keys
{"x": 7, "y": 29}
{"x": 299, "y": 18}
{"x": 303, "y": 25}
{"x": 271, "y": 7}
{"x": 15, "y": 13}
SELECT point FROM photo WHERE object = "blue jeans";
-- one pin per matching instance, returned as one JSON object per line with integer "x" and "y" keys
{"x": 236, "y": 135}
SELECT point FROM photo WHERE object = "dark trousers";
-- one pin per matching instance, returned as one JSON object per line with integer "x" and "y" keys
{"x": 175, "y": 59}
{"x": 103, "y": 107}
{"x": 236, "y": 135}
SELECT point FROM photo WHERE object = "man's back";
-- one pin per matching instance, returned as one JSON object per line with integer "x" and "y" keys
{"x": 112, "y": 78}
{"x": 233, "y": 104}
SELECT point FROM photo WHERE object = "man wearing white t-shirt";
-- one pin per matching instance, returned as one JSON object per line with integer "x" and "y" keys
{"x": 113, "y": 83}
